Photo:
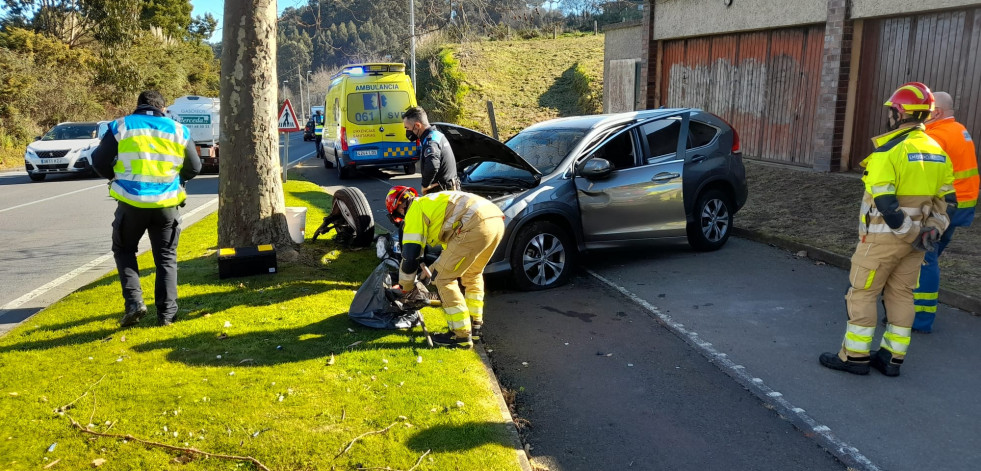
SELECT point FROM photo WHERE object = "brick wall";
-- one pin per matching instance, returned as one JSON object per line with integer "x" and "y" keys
{"x": 830, "y": 122}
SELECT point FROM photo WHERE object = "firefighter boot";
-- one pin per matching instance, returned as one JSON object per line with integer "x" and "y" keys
{"x": 133, "y": 316}
{"x": 882, "y": 360}
{"x": 450, "y": 339}
{"x": 858, "y": 366}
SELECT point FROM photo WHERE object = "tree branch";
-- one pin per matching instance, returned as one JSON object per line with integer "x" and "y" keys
{"x": 170, "y": 447}
{"x": 359, "y": 437}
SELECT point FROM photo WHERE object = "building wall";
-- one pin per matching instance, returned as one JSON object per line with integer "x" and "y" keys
{"x": 872, "y": 8}
{"x": 686, "y": 18}
{"x": 620, "y": 42}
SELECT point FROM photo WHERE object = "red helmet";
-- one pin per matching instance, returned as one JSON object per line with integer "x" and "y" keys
{"x": 911, "y": 98}
{"x": 395, "y": 197}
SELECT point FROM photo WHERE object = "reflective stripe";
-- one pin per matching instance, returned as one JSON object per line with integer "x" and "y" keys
{"x": 883, "y": 189}
{"x": 412, "y": 238}
{"x": 925, "y": 295}
{"x": 858, "y": 339}
{"x": 965, "y": 174}
{"x": 457, "y": 317}
{"x": 869, "y": 279}
{"x": 455, "y": 309}
{"x": 920, "y": 308}
{"x": 476, "y": 307}
{"x": 896, "y": 339}
{"x": 457, "y": 266}
{"x": 967, "y": 204}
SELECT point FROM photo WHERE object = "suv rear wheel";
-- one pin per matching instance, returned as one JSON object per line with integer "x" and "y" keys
{"x": 544, "y": 257}
{"x": 713, "y": 221}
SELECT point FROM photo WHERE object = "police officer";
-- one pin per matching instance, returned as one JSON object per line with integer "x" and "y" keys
{"x": 908, "y": 194}
{"x": 438, "y": 163}
{"x": 147, "y": 157}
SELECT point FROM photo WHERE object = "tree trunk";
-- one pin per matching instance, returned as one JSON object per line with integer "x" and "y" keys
{"x": 250, "y": 192}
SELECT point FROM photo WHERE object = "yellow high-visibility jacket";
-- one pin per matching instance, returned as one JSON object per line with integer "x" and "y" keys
{"x": 909, "y": 184}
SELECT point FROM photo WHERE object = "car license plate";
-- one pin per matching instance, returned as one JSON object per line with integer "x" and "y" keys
{"x": 364, "y": 153}
{"x": 53, "y": 161}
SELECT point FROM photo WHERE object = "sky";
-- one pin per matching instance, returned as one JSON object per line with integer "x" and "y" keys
{"x": 217, "y": 7}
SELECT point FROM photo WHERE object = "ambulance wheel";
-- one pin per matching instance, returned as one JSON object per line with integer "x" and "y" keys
{"x": 359, "y": 229}
{"x": 409, "y": 169}
{"x": 328, "y": 164}
{"x": 344, "y": 171}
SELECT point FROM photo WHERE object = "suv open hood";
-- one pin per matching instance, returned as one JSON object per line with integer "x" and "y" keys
{"x": 471, "y": 147}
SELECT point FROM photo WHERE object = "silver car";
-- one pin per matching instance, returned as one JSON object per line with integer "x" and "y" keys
{"x": 574, "y": 184}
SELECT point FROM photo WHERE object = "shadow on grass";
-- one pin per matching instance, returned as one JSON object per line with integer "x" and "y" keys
{"x": 453, "y": 438}
{"x": 560, "y": 96}
{"x": 266, "y": 348}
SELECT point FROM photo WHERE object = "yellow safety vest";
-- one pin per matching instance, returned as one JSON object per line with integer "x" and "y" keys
{"x": 150, "y": 158}
{"x": 435, "y": 218}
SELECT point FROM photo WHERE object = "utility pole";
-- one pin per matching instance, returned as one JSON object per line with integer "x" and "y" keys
{"x": 299, "y": 80}
{"x": 309, "y": 99}
{"x": 412, "y": 31}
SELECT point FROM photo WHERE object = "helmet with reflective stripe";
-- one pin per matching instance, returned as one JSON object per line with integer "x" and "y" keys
{"x": 396, "y": 196}
{"x": 911, "y": 98}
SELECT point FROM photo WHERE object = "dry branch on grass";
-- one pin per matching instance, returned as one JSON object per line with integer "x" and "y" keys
{"x": 388, "y": 468}
{"x": 170, "y": 447}
{"x": 359, "y": 437}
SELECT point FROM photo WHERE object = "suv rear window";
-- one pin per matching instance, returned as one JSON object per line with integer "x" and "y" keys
{"x": 700, "y": 134}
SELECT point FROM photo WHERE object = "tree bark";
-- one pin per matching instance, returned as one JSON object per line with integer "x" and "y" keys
{"x": 250, "y": 191}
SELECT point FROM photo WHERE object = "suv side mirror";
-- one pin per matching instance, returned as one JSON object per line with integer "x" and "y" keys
{"x": 37, "y": 138}
{"x": 596, "y": 169}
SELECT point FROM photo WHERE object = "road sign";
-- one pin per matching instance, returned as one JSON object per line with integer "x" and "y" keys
{"x": 287, "y": 118}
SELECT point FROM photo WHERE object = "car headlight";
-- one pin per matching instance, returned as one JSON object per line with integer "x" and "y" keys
{"x": 30, "y": 153}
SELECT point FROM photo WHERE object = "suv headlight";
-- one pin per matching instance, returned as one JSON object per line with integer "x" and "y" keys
{"x": 30, "y": 153}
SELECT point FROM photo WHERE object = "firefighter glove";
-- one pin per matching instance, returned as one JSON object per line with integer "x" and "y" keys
{"x": 927, "y": 240}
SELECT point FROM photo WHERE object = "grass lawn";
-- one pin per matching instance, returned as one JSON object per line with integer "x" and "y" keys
{"x": 248, "y": 371}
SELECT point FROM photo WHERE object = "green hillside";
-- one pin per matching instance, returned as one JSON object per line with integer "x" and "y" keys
{"x": 530, "y": 80}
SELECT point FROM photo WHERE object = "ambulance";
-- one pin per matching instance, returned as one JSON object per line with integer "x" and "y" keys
{"x": 363, "y": 122}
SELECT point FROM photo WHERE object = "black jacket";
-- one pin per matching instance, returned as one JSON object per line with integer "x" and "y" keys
{"x": 438, "y": 162}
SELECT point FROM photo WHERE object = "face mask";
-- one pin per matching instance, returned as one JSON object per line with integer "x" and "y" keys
{"x": 411, "y": 135}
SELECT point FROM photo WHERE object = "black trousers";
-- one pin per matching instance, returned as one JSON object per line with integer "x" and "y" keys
{"x": 163, "y": 226}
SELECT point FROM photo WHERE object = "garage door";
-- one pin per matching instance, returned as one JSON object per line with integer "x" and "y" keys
{"x": 942, "y": 50}
{"x": 764, "y": 83}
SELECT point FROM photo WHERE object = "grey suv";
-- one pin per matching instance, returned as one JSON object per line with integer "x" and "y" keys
{"x": 589, "y": 182}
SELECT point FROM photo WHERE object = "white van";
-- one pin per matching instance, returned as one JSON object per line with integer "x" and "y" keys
{"x": 201, "y": 115}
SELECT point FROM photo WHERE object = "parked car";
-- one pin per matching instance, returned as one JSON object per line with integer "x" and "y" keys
{"x": 66, "y": 148}
{"x": 590, "y": 182}
{"x": 308, "y": 131}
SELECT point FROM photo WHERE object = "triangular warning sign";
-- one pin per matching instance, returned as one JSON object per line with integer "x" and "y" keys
{"x": 287, "y": 118}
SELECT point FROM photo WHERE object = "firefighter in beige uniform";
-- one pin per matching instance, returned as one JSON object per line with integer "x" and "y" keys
{"x": 908, "y": 194}
{"x": 470, "y": 229}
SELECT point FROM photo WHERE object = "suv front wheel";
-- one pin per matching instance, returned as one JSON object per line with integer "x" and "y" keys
{"x": 544, "y": 256}
{"x": 713, "y": 221}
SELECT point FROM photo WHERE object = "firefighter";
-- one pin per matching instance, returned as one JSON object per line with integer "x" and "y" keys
{"x": 469, "y": 228}
{"x": 147, "y": 157}
{"x": 438, "y": 162}
{"x": 957, "y": 143}
{"x": 908, "y": 194}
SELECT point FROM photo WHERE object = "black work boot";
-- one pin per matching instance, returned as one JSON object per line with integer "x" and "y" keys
{"x": 449, "y": 339}
{"x": 132, "y": 316}
{"x": 882, "y": 360}
{"x": 476, "y": 328}
{"x": 858, "y": 366}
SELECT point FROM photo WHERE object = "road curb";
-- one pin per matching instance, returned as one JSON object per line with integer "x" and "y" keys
{"x": 964, "y": 302}
{"x": 519, "y": 449}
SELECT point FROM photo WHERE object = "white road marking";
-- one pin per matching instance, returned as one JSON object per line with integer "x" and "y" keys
{"x": 102, "y": 185}
{"x": 822, "y": 433}
{"x": 78, "y": 271}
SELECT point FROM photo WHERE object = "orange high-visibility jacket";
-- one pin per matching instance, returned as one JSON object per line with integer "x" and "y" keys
{"x": 957, "y": 143}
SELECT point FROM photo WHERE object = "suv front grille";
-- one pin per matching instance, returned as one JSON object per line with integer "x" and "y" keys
{"x": 48, "y": 154}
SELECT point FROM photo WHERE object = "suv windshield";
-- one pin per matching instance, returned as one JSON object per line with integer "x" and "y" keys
{"x": 64, "y": 132}
{"x": 545, "y": 149}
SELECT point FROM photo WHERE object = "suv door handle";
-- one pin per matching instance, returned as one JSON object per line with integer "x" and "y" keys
{"x": 665, "y": 176}
{"x": 698, "y": 158}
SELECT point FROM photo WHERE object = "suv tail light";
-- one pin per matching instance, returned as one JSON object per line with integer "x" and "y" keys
{"x": 343, "y": 138}
{"x": 735, "y": 134}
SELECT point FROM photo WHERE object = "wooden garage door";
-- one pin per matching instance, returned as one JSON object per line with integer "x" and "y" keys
{"x": 765, "y": 84}
{"x": 942, "y": 50}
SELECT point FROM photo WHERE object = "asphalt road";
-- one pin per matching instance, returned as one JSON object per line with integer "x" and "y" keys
{"x": 56, "y": 233}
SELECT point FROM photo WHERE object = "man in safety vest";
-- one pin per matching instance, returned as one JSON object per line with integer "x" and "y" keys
{"x": 957, "y": 143}
{"x": 435, "y": 153}
{"x": 469, "y": 228}
{"x": 908, "y": 194}
{"x": 147, "y": 157}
